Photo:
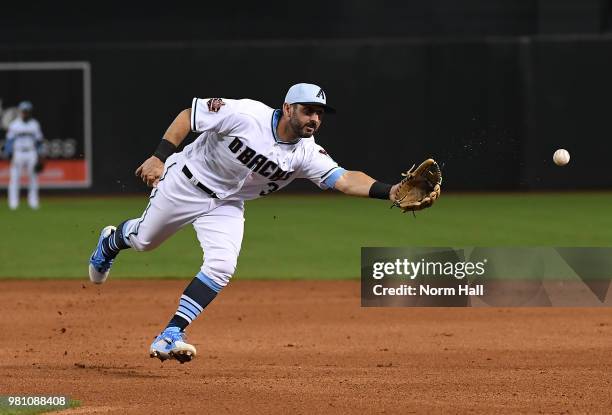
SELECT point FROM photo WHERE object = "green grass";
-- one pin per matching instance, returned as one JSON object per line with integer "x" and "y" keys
{"x": 300, "y": 236}
{"x": 32, "y": 410}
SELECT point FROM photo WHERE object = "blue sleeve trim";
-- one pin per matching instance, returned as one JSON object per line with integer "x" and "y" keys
{"x": 333, "y": 178}
{"x": 208, "y": 282}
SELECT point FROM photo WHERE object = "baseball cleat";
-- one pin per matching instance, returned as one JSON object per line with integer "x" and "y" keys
{"x": 170, "y": 344}
{"x": 99, "y": 264}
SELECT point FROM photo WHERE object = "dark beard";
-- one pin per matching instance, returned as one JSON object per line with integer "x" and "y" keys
{"x": 298, "y": 129}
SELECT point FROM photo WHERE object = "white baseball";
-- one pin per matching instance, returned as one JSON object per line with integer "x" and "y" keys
{"x": 561, "y": 157}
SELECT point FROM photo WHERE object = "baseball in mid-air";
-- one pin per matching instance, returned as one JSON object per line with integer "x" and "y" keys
{"x": 561, "y": 157}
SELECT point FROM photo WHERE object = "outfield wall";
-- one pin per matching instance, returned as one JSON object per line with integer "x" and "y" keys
{"x": 492, "y": 110}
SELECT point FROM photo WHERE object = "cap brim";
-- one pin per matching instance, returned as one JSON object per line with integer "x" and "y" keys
{"x": 327, "y": 108}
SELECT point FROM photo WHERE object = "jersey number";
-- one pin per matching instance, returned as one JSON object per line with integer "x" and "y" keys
{"x": 272, "y": 187}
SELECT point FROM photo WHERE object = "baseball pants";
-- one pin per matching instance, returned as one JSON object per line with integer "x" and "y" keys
{"x": 23, "y": 161}
{"x": 175, "y": 203}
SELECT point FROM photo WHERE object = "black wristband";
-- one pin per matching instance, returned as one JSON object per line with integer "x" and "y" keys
{"x": 164, "y": 150}
{"x": 380, "y": 190}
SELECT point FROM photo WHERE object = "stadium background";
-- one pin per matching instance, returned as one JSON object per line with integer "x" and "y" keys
{"x": 485, "y": 86}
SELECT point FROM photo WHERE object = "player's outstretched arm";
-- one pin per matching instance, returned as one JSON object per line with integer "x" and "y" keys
{"x": 151, "y": 170}
{"x": 357, "y": 183}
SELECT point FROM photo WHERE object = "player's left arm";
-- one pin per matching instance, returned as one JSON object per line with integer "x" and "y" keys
{"x": 357, "y": 183}
{"x": 327, "y": 174}
{"x": 10, "y": 141}
{"x": 38, "y": 138}
{"x": 8, "y": 148}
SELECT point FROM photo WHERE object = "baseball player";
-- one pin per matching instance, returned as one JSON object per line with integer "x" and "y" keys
{"x": 245, "y": 150}
{"x": 23, "y": 142}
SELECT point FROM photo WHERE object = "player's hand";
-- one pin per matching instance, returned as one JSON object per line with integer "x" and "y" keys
{"x": 150, "y": 171}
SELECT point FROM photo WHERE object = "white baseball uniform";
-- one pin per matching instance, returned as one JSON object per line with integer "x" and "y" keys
{"x": 237, "y": 157}
{"x": 24, "y": 138}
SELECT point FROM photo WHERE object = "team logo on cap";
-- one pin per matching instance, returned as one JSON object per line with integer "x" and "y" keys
{"x": 321, "y": 94}
{"x": 215, "y": 104}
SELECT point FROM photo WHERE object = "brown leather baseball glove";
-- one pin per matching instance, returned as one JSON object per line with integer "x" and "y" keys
{"x": 419, "y": 188}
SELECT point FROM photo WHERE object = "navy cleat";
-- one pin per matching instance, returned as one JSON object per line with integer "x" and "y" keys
{"x": 170, "y": 344}
{"x": 99, "y": 264}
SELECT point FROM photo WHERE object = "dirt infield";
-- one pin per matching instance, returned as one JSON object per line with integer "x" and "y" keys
{"x": 299, "y": 347}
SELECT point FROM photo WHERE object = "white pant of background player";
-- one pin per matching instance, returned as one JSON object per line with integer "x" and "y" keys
{"x": 23, "y": 162}
{"x": 177, "y": 202}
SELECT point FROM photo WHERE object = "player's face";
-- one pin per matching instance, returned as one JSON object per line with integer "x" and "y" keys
{"x": 305, "y": 120}
{"x": 26, "y": 115}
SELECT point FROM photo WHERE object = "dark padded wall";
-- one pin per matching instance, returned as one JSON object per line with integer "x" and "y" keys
{"x": 492, "y": 109}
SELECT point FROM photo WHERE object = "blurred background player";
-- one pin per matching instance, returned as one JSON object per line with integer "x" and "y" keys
{"x": 23, "y": 143}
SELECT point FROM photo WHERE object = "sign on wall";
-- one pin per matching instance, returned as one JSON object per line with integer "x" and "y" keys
{"x": 61, "y": 96}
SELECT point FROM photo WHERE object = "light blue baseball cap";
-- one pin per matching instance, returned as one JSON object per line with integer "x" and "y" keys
{"x": 25, "y": 106}
{"x": 310, "y": 94}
